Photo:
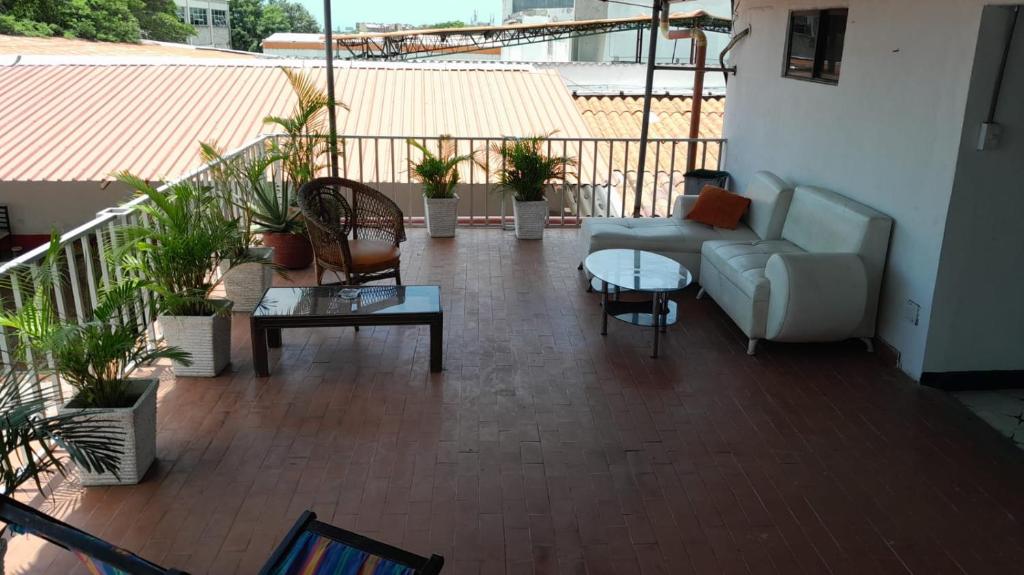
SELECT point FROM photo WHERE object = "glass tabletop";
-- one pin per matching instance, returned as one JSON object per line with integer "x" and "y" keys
{"x": 328, "y": 301}
{"x": 638, "y": 270}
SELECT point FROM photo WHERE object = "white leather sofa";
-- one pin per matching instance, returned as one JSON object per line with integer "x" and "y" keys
{"x": 819, "y": 281}
{"x": 681, "y": 239}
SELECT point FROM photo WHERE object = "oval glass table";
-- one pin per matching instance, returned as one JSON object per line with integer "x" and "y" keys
{"x": 642, "y": 272}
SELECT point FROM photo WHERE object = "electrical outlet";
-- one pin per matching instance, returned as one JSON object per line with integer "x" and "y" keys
{"x": 912, "y": 312}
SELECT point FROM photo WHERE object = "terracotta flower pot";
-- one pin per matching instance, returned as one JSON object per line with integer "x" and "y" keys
{"x": 291, "y": 251}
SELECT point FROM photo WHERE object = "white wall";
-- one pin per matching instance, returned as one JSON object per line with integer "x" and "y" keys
{"x": 888, "y": 135}
{"x": 38, "y": 207}
{"x": 978, "y": 311}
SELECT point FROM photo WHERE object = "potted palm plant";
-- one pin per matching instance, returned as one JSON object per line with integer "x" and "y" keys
{"x": 240, "y": 181}
{"x": 30, "y": 430}
{"x": 523, "y": 172}
{"x": 187, "y": 238}
{"x": 439, "y": 175}
{"x": 95, "y": 356}
{"x": 302, "y": 151}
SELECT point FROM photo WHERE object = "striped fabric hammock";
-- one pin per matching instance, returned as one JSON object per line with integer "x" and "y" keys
{"x": 314, "y": 554}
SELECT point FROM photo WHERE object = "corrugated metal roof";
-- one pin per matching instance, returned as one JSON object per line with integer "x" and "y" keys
{"x": 81, "y": 123}
{"x": 23, "y": 45}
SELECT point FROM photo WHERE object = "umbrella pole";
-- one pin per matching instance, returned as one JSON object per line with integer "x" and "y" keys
{"x": 652, "y": 51}
{"x": 332, "y": 120}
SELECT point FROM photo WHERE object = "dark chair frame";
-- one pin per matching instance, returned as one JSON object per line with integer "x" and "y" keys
{"x": 308, "y": 522}
{"x": 73, "y": 539}
{"x": 331, "y": 218}
{"x": 6, "y": 235}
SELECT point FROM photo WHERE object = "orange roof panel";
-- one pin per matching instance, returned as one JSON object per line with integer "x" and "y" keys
{"x": 84, "y": 122}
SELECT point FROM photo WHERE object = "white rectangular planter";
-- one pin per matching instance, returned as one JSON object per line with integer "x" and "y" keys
{"x": 442, "y": 216}
{"x": 207, "y": 338}
{"x": 137, "y": 425}
{"x": 246, "y": 284}
{"x": 530, "y": 217}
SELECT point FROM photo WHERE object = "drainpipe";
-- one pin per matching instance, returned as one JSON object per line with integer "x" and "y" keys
{"x": 698, "y": 97}
{"x": 700, "y": 41}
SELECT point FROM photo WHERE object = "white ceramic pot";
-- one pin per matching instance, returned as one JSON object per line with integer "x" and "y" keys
{"x": 137, "y": 425}
{"x": 442, "y": 216}
{"x": 246, "y": 284}
{"x": 207, "y": 338}
{"x": 530, "y": 217}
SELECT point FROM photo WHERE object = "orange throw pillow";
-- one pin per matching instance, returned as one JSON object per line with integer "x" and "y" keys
{"x": 719, "y": 208}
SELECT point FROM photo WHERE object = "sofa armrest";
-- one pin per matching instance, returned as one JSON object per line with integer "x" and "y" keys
{"x": 682, "y": 206}
{"x": 815, "y": 296}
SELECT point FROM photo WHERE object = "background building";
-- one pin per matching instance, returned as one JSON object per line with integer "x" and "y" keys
{"x": 616, "y": 47}
{"x": 210, "y": 18}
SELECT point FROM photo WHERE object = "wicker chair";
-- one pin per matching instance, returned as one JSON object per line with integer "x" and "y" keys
{"x": 358, "y": 239}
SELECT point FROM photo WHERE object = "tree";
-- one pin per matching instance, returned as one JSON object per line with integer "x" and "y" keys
{"x": 245, "y": 24}
{"x": 107, "y": 20}
{"x": 254, "y": 20}
{"x": 299, "y": 18}
{"x": 445, "y": 24}
{"x": 158, "y": 20}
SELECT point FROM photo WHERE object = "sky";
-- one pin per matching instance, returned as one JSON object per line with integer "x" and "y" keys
{"x": 346, "y": 13}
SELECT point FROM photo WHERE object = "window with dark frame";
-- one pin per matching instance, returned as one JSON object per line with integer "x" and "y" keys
{"x": 814, "y": 46}
{"x": 220, "y": 18}
{"x": 198, "y": 16}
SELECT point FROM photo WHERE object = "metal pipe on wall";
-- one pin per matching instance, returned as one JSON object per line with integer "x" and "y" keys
{"x": 697, "y": 100}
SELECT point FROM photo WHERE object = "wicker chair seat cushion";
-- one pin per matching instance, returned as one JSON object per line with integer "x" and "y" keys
{"x": 373, "y": 254}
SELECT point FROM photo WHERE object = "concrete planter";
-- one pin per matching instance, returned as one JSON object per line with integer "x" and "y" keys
{"x": 442, "y": 216}
{"x": 137, "y": 425}
{"x": 246, "y": 284}
{"x": 530, "y": 217}
{"x": 207, "y": 338}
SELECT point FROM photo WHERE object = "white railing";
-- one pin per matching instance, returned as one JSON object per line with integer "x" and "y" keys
{"x": 603, "y": 184}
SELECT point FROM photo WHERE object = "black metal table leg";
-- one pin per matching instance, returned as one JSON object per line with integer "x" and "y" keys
{"x": 604, "y": 308}
{"x": 656, "y": 320}
{"x": 436, "y": 340}
{"x": 664, "y": 313}
{"x": 274, "y": 337}
{"x": 260, "y": 353}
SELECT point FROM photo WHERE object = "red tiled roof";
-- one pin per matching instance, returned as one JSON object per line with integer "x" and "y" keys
{"x": 621, "y": 117}
{"x": 68, "y": 122}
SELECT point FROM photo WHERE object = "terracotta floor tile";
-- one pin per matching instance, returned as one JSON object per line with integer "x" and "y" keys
{"x": 546, "y": 448}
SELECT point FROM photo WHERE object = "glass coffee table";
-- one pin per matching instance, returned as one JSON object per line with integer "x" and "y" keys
{"x": 329, "y": 306}
{"x": 642, "y": 272}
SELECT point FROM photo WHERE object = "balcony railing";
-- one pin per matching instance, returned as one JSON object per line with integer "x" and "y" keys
{"x": 603, "y": 185}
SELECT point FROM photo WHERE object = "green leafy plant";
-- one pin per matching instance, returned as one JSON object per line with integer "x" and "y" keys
{"x": 302, "y": 152}
{"x": 304, "y": 146}
{"x": 439, "y": 173}
{"x": 93, "y": 354}
{"x": 187, "y": 237}
{"x": 523, "y": 168}
{"x": 30, "y": 432}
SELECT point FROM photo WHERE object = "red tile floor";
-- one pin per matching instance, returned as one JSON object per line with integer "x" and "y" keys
{"x": 546, "y": 448}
